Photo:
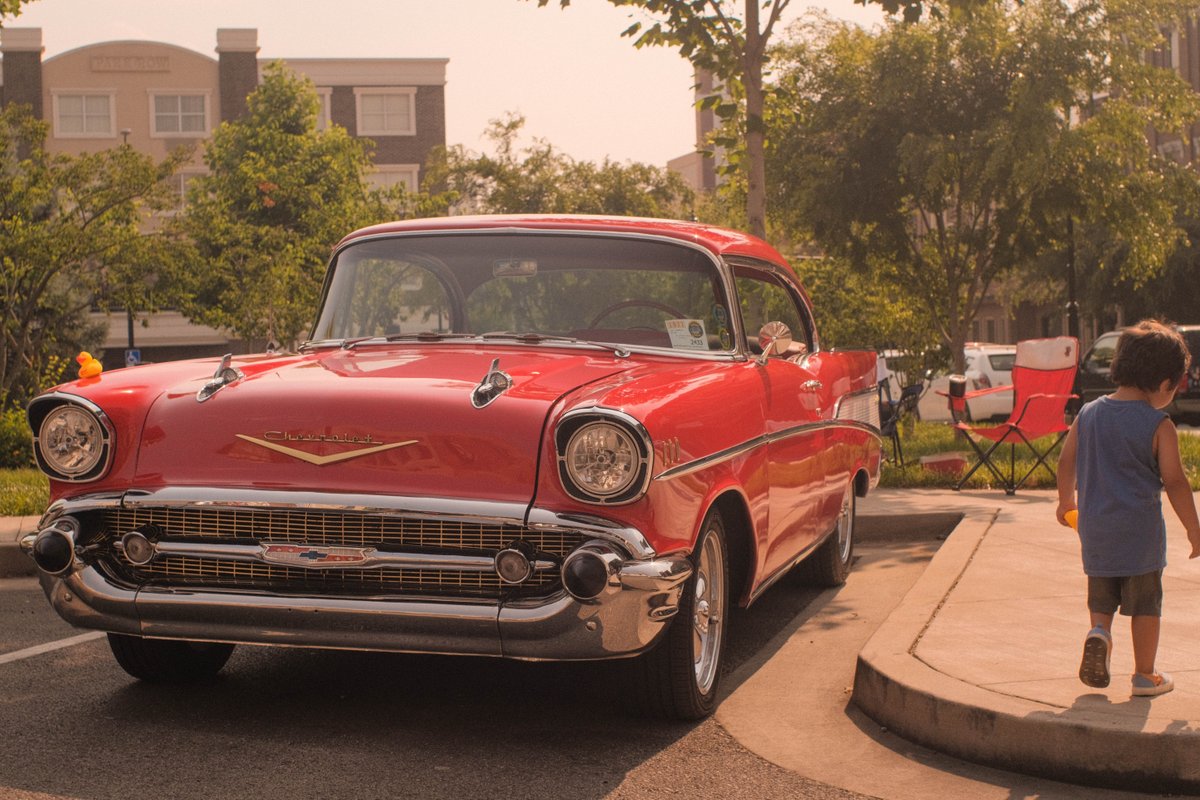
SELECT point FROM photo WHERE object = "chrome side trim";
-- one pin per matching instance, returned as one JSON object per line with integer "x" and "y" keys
{"x": 729, "y": 453}
{"x": 779, "y": 573}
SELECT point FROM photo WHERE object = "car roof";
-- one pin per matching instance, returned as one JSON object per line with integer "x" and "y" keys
{"x": 718, "y": 240}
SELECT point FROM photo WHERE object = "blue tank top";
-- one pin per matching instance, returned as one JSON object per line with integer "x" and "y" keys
{"x": 1121, "y": 524}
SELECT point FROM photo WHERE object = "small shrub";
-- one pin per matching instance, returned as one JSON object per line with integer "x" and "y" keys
{"x": 16, "y": 443}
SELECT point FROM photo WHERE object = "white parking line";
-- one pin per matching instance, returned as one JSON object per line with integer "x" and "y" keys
{"x": 30, "y": 652}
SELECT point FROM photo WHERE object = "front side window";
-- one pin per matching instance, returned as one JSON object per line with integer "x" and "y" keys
{"x": 613, "y": 290}
{"x": 83, "y": 115}
{"x": 386, "y": 112}
{"x": 764, "y": 297}
{"x": 180, "y": 114}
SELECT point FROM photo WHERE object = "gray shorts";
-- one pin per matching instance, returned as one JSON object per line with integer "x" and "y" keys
{"x": 1135, "y": 595}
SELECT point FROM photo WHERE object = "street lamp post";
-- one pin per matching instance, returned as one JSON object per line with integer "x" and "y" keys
{"x": 1072, "y": 303}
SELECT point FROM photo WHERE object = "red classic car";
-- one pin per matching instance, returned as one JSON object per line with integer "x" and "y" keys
{"x": 533, "y": 437}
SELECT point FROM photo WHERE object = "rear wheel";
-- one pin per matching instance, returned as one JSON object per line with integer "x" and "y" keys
{"x": 830, "y": 563}
{"x": 680, "y": 676}
{"x": 167, "y": 660}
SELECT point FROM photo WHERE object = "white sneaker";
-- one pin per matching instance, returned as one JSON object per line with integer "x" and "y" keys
{"x": 1151, "y": 685}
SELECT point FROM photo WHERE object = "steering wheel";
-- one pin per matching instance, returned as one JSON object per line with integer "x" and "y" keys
{"x": 663, "y": 307}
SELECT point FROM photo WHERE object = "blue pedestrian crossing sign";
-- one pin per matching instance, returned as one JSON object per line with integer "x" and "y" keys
{"x": 133, "y": 358}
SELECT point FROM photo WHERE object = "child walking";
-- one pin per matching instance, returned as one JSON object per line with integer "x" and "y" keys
{"x": 1121, "y": 453}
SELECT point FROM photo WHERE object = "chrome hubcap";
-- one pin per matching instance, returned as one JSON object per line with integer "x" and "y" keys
{"x": 706, "y": 607}
{"x": 845, "y": 524}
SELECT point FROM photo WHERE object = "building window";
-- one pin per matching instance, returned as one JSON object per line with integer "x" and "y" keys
{"x": 178, "y": 184}
{"x": 387, "y": 176}
{"x": 386, "y": 112}
{"x": 179, "y": 114}
{"x": 324, "y": 116}
{"x": 86, "y": 115}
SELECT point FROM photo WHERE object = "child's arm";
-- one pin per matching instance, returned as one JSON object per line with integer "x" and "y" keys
{"x": 1066, "y": 477}
{"x": 1175, "y": 482}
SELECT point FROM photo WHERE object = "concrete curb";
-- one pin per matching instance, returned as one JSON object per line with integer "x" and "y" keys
{"x": 894, "y": 687}
{"x": 13, "y": 562}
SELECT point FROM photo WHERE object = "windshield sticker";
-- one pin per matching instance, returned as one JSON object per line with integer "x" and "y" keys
{"x": 687, "y": 334}
{"x": 514, "y": 268}
{"x": 720, "y": 316}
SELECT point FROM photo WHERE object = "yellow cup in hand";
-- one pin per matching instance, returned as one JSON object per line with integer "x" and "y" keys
{"x": 1072, "y": 518}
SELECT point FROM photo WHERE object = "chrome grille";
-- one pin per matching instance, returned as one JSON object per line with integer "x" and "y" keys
{"x": 329, "y": 529}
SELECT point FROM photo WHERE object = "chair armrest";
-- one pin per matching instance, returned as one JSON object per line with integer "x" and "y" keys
{"x": 990, "y": 390}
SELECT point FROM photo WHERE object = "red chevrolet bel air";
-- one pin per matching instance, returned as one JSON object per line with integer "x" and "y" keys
{"x": 532, "y": 437}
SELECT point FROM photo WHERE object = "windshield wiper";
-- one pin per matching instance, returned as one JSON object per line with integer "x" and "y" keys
{"x": 538, "y": 338}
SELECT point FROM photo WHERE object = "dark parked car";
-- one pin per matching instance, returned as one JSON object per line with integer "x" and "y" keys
{"x": 1093, "y": 379}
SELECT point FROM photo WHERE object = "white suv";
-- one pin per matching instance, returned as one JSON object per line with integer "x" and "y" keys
{"x": 989, "y": 365}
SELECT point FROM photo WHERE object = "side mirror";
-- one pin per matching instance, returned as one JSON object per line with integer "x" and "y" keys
{"x": 774, "y": 338}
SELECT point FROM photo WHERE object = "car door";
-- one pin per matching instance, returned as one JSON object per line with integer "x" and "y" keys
{"x": 795, "y": 404}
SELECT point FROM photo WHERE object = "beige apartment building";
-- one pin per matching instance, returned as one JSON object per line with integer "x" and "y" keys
{"x": 156, "y": 96}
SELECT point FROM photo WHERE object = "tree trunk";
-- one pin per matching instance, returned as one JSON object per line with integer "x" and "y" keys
{"x": 756, "y": 190}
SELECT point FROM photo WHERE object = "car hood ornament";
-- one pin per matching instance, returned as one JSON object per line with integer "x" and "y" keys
{"x": 494, "y": 384}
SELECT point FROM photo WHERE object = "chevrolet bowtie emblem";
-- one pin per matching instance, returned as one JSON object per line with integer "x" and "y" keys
{"x": 320, "y": 461}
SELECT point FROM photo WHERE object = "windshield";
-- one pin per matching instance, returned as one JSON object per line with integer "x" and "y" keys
{"x": 594, "y": 288}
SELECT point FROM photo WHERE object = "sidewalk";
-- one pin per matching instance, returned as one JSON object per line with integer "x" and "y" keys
{"x": 980, "y": 659}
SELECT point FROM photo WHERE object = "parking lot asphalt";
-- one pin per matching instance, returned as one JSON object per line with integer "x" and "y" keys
{"x": 980, "y": 658}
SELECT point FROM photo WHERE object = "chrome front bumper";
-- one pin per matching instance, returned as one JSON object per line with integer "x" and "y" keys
{"x": 641, "y": 596}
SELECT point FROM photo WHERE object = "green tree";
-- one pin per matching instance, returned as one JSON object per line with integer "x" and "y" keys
{"x": 278, "y": 196}
{"x": 539, "y": 179}
{"x": 713, "y": 36}
{"x": 948, "y": 153}
{"x": 10, "y": 8}
{"x": 73, "y": 236}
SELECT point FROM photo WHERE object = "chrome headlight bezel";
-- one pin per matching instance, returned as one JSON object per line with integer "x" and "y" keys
{"x": 44, "y": 410}
{"x": 571, "y": 435}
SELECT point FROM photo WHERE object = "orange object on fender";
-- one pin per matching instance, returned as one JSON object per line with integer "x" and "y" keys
{"x": 89, "y": 367}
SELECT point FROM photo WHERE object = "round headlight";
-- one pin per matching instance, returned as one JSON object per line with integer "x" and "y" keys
{"x": 71, "y": 440}
{"x": 602, "y": 459}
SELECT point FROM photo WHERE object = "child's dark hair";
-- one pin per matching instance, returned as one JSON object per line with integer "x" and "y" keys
{"x": 1149, "y": 353}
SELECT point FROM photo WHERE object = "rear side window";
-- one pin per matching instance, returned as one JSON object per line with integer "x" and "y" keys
{"x": 1101, "y": 356}
{"x": 1002, "y": 362}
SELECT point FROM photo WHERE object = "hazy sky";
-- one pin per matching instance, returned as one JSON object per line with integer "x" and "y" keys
{"x": 579, "y": 84}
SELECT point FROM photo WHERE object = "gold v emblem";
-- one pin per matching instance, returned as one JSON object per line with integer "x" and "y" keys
{"x": 320, "y": 461}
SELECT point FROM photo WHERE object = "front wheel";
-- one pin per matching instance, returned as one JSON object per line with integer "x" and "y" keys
{"x": 167, "y": 660}
{"x": 830, "y": 563}
{"x": 678, "y": 679}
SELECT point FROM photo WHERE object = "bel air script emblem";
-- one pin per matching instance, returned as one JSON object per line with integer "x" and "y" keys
{"x": 273, "y": 440}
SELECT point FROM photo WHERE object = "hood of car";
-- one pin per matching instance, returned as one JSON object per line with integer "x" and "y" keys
{"x": 390, "y": 421}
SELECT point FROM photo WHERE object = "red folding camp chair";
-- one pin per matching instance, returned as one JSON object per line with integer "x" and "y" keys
{"x": 1043, "y": 374}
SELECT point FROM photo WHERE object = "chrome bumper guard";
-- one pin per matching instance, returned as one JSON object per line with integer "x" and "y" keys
{"x": 641, "y": 595}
